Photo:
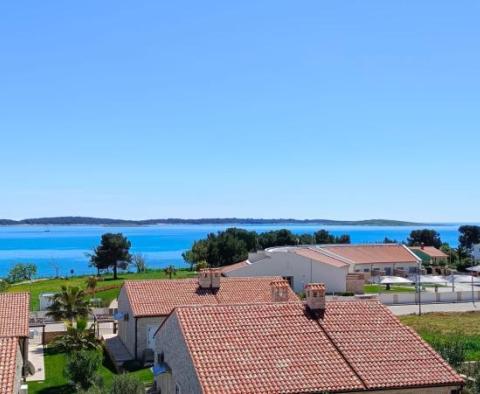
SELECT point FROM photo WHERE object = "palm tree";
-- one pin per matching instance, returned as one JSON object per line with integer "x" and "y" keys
{"x": 69, "y": 304}
{"x": 170, "y": 271}
{"x": 78, "y": 337}
{"x": 92, "y": 284}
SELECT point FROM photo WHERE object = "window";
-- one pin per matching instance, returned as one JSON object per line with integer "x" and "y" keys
{"x": 177, "y": 389}
{"x": 364, "y": 270}
{"x": 160, "y": 358}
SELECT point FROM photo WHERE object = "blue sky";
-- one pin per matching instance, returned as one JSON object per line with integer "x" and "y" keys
{"x": 344, "y": 110}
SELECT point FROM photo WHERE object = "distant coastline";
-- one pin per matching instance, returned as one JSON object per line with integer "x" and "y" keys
{"x": 80, "y": 220}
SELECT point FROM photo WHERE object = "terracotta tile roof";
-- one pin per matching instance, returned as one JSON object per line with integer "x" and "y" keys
{"x": 278, "y": 348}
{"x": 233, "y": 267}
{"x": 317, "y": 255}
{"x": 263, "y": 348}
{"x": 374, "y": 253}
{"x": 381, "y": 350}
{"x": 430, "y": 251}
{"x": 159, "y": 297}
{"x": 8, "y": 359}
{"x": 14, "y": 314}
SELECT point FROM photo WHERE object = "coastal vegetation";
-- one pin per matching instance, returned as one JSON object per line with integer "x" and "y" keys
{"x": 113, "y": 252}
{"x": 234, "y": 244}
{"x": 78, "y": 220}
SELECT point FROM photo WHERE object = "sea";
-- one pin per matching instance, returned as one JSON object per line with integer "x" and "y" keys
{"x": 63, "y": 250}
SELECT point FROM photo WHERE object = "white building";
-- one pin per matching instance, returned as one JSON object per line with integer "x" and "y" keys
{"x": 334, "y": 265}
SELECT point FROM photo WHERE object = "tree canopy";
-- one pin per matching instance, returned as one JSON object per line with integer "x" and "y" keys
{"x": 234, "y": 244}
{"x": 22, "y": 271}
{"x": 113, "y": 252}
{"x": 469, "y": 235}
{"x": 426, "y": 237}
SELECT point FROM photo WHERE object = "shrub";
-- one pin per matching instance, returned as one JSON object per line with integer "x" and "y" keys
{"x": 453, "y": 349}
{"x": 82, "y": 368}
{"x": 127, "y": 384}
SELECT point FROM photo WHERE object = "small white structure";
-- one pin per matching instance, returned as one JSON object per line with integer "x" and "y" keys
{"x": 46, "y": 299}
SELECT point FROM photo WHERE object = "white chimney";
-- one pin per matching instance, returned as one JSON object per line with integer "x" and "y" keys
{"x": 279, "y": 290}
{"x": 315, "y": 295}
{"x": 216, "y": 275}
{"x": 204, "y": 278}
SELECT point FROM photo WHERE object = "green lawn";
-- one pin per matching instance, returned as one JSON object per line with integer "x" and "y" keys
{"x": 438, "y": 326}
{"x": 371, "y": 289}
{"x": 56, "y": 383}
{"x": 106, "y": 283}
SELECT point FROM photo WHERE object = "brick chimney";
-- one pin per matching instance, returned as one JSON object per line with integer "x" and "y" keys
{"x": 315, "y": 295}
{"x": 204, "y": 278}
{"x": 279, "y": 290}
{"x": 422, "y": 246}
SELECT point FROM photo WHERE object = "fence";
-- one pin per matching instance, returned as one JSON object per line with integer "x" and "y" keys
{"x": 429, "y": 297}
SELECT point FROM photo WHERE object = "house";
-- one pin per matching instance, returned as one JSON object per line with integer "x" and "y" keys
{"x": 342, "y": 267}
{"x": 430, "y": 254}
{"x": 14, "y": 331}
{"x": 347, "y": 346}
{"x": 144, "y": 305}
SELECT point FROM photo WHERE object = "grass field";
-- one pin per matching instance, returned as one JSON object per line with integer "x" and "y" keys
{"x": 438, "y": 326}
{"x": 57, "y": 383}
{"x": 372, "y": 289}
{"x": 107, "y": 288}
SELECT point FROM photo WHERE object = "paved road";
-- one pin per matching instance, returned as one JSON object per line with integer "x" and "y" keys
{"x": 453, "y": 307}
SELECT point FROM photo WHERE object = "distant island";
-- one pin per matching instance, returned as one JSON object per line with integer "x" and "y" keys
{"x": 79, "y": 220}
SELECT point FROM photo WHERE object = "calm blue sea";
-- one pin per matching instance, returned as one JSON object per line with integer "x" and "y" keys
{"x": 65, "y": 246}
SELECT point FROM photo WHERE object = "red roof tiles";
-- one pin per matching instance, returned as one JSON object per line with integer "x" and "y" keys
{"x": 317, "y": 255}
{"x": 159, "y": 297}
{"x": 14, "y": 314}
{"x": 8, "y": 357}
{"x": 233, "y": 267}
{"x": 430, "y": 251}
{"x": 381, "y": 350}
{"x": 372, "y": 254}
{"x": 277, "y": 347}
{"x": 263, "y": 348}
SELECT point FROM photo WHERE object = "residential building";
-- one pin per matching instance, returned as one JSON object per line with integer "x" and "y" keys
{"x": 144, "y": 305}
{"x": 338, "y": 266}
{"x": 14, "y": 330}
{"x": 319, "y": 346}
{"x": 430, "y": 254}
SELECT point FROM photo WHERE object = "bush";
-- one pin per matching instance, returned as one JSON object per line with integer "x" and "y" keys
{"x": 82, "y": 368}
{"x": 3, "y": 286}
{"x": 453, "y": 349}
{"x": 127, "y": 384}
{"x": 21, "y": 271}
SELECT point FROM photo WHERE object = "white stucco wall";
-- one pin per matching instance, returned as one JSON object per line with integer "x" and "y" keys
{"x": 302, "y": 269}
{"x": 476, "y": 251}
{"x": 126, "y": 329}
{"x": 170, "y": 341}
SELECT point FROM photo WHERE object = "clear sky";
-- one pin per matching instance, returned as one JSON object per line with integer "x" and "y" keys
{"x": 307, "y": 109}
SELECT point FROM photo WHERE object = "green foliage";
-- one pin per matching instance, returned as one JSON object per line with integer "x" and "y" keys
{"x": 453, "y": 349}
{"x": 4, "y": 285}
{"x": 140, "y": 262}
{"x": 233, "y": 245}
{"x": 77, "y": 338}
{"x": 22, "y": 271}
{"x": 170, "y": 271}
{"x": 324, "y": 237}
{"x": 127, "y": 384}
{"x": 387, "y": 240}
{"x": 426, "y": 237}
{"x": 92, "y": 283}
{"x": 69, "y": 304}
{"x": 113, "y": 252}
{"x": 277, "y": 238}
{"x": 469, "y": 235}
{"x": 82, "y": 367}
